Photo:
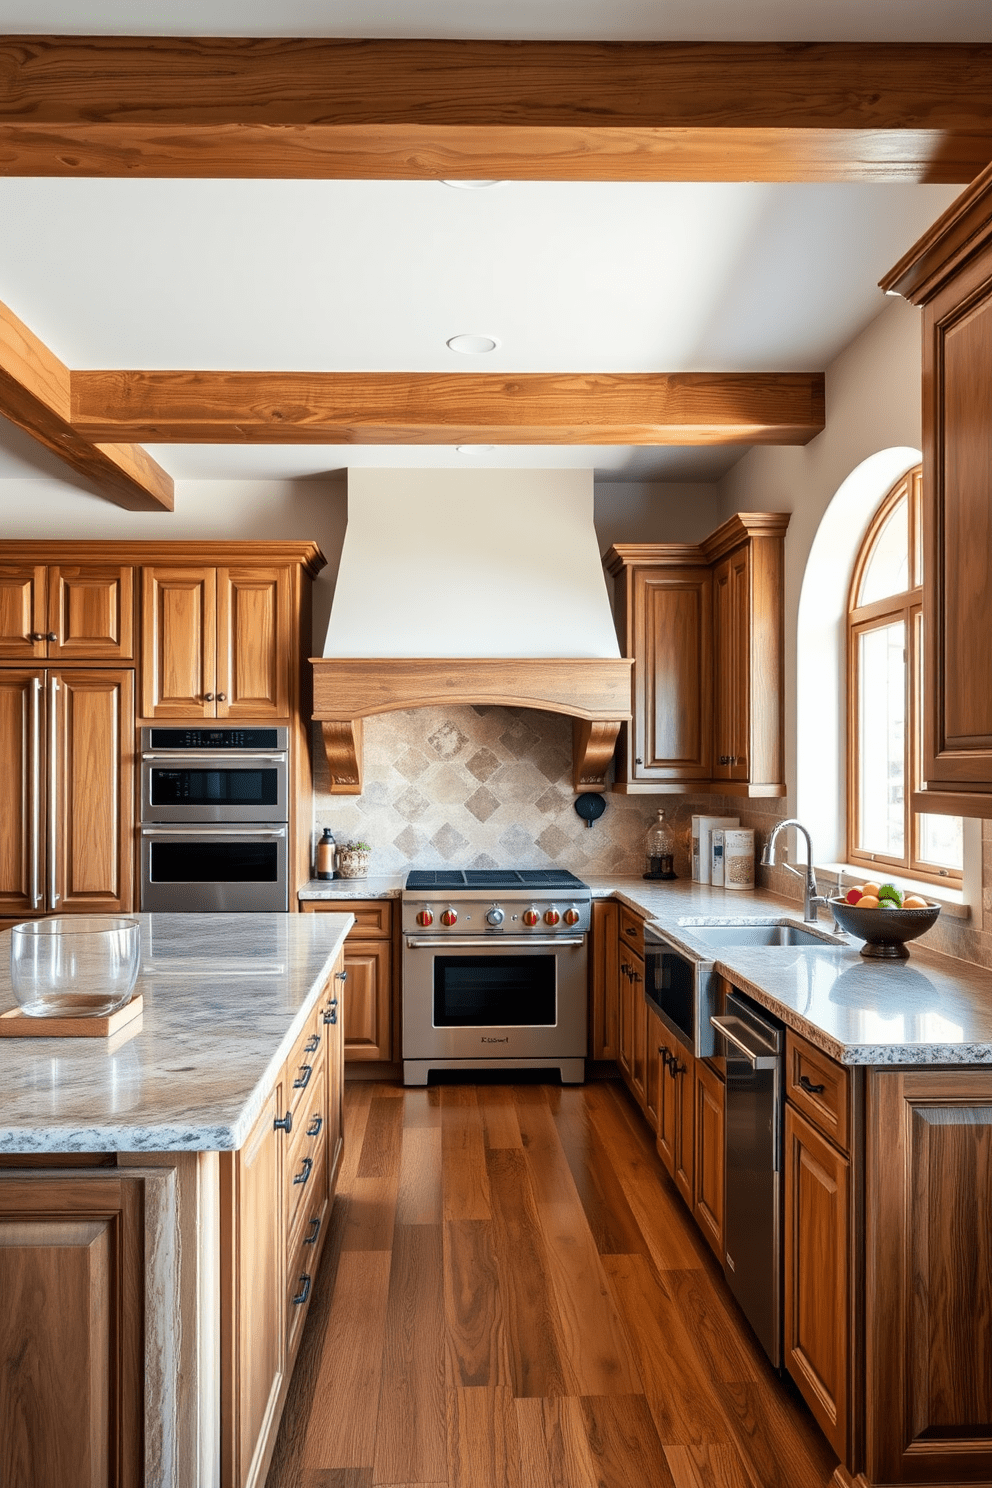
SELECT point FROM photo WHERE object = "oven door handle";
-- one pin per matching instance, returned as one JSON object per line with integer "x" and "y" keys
{"x": 200, "y": 759}
{"x": 219, "y": 829}
{"x": 477, "y": 942}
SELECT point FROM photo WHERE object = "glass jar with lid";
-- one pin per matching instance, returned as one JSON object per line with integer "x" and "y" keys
{"x": 660, "y": 850}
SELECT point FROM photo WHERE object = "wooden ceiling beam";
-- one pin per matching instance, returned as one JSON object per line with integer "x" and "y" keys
{"x": 35, "y": 395}
{"x": 449, "y": 408}
{"x": 526, "y": 110}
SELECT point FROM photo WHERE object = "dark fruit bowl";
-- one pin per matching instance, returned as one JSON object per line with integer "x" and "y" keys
{"x": 884, "y": 931}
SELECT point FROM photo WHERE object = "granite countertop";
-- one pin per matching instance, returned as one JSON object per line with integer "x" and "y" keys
{"x": 931, "y": 1009}
{"x": 225, "y": 997}
{"x": 376, "y": 886}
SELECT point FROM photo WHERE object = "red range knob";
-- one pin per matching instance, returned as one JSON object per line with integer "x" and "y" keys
{"x": 425, "y": 918}
{"x": 530, "y": 916}
{"x": 551, "y": 917}
{"x": 449, "y": 917}
{"x": 571, "y": 917}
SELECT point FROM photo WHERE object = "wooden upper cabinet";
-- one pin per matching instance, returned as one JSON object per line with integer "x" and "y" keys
{"x": 704, "y": 623}
{"x": 254, "y": 642}
{"x": 78, "y": 612}
{"x": 949, "y": 273}
{"x": 217, "y": 642}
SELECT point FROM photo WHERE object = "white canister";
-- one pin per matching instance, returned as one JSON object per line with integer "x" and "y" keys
{"x": 738, "y": 858}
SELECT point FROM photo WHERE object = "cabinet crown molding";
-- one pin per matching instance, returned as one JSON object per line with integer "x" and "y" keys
{"x": 181, "y": 550}
{"x": 962, "y": 231}
{"x": 739, "y": 528}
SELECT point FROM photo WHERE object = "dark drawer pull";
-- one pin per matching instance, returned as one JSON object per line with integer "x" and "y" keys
{"x": 304, "y": 1291}
{"x": 311, "y": 1239}
{"x": 303, "y": 1078}
{"x": 284, "y": 1123}
{"x": 341, "y": 976}
{"x": 331, "y": 1011}
{"x": 806, "y": 1084}
{"x": 312, "y": 1044}
{"x": 305, "y": 1171}
{"x": 313, "y": 1130}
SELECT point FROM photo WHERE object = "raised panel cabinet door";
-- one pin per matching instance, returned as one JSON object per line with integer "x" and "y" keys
{"x": 672, "y": 679}
{"x": 817, "y": 1240}
{"x": 253, "y": 1280}
{"x": 709, "y": 1160}
{"x": 91, "y": 794}
{"x": 71, "y": 1332}
{"x": 929, "y": 1276}
{"x": 685, "y": 1126}
{"x": 333, "y": 1025}
{"x": 368, "y": 1000}
{"x": 731, "y": 612}
{"x": 22, "y": 819}
{"x": 604, "y": 970}
{"x": 639, "y": 1029}
{"x": 23, "y": 612}
{"x": 255, "y": 650}
{"x": 957, "y": 531}
{"x": 625, "y": 1032}
{"x": 668, "y": 1116}
{"x": 178, "y": 642}
{"x": 654, "y": 1029}
{"x": 91, "y": 612}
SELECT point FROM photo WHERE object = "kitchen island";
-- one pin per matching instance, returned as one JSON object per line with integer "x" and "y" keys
{"x": 163, "y": 1205}
{"x": 885, "y": 1163}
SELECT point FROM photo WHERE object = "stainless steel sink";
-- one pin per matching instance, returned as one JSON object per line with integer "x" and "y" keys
{"x": 757, "y": 935}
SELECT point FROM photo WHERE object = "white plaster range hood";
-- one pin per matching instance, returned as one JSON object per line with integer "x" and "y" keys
{"x": 476, "y": 587}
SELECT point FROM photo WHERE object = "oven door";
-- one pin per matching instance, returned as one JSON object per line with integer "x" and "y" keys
{"x": 486, "y": 999}
{"x": 214, "y": 868}
{"x": 214, "y": 787}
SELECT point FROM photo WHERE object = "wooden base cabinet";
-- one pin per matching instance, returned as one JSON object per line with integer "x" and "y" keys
{"x": 604, "y": 981}
{"x": 708, "y": 1168}
{"x": 72, "y": 1279}
{"x": 817, "y": 1275}
{"x": 676, "y": 1111}
{"x": 370, "y": 962}
{"x": 929, "y": 1276}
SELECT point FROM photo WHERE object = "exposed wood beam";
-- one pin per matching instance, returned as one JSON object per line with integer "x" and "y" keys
{"x": 35, "y": 395}
{"x": 449, "y": 408}
{"x": 406, "y": 110}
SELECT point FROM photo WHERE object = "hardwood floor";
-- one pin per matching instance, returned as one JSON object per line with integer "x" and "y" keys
{"x": 514, "y": 1296}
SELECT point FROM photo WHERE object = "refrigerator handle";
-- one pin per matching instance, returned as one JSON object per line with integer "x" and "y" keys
{"x": 53, "y": 780}
{"x": 36, "y": 894}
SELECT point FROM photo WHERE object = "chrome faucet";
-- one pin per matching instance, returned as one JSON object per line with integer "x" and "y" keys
{"x": 811, "y": 899}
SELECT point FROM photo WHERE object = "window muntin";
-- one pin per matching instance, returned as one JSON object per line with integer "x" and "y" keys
{"x": 884, "y": 701}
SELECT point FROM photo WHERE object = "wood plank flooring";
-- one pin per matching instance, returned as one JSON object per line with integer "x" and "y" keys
{"x": 513, "y": 1295}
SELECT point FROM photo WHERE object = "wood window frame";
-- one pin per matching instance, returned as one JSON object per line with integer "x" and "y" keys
{"x": 906, "y": 607}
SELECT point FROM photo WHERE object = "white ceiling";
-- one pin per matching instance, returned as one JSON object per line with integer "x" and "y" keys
{"x": 370, "y": 276}
{"x": 593, "y": 20}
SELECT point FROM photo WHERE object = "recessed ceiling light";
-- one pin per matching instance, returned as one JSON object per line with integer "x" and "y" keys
{"x": 472, "y": 345}
{"x": 472, "y": 449}
{"x": 471, "y": 185}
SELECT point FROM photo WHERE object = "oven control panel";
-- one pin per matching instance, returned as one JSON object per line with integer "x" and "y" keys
{"x": 461, "y": 917}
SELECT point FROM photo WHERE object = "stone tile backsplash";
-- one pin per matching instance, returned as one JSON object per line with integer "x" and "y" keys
{"x": 479, "y": 788}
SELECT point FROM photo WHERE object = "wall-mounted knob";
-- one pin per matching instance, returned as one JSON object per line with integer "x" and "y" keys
{"x": 449, "y": 917}
{"x": 425, "y": 918}
{"x": 530, "y": 916}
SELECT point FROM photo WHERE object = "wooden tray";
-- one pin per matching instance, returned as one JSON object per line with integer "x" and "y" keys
{"x": 17, "y": 1024}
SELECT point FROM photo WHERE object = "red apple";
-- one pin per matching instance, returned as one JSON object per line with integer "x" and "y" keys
{"x": 853, "y": 895}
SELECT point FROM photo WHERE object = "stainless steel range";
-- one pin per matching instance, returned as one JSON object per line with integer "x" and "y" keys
{"x": 494, "y": 972}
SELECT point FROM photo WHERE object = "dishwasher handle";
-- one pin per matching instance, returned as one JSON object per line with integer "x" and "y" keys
{"x": 759, "y": 1059}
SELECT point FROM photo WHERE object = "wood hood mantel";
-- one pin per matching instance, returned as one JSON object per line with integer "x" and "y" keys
{"x": 593, "y": 691}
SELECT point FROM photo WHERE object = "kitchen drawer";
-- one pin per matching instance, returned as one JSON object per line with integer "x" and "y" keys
{"x": 631, "y": 931}
{"x": 302, "y": 1066}
{"x": 820, "y": 1088}
{"x": 305, "y": 1168}
{"x": 373, "y": 917}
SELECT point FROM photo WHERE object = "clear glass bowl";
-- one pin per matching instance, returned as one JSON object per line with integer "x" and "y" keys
{"x": 76, "y": 966}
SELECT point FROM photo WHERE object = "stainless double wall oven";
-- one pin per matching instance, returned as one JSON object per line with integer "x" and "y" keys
{"x": 214, "y": 819}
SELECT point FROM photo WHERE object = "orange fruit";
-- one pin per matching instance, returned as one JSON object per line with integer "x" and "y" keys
{"x": 871, "y": 888}
{"x": 868, "y": 901}
{"x": 915, "y": 901}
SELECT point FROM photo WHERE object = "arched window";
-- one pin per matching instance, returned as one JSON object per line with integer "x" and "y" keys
{"x": 885, "y": 620}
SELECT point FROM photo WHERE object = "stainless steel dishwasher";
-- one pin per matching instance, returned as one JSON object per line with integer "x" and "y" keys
{"x": 755, "y": 1047}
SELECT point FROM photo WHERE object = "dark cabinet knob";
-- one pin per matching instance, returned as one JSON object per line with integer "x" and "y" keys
{"x": 284, "y": 1123}
{"x": 331, "y": 1011}
{"x": 638, "y": 760}
{"x": 341, "y": 976}
{"x": 222, "y": 697}
{"x": 208, "y": 697}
